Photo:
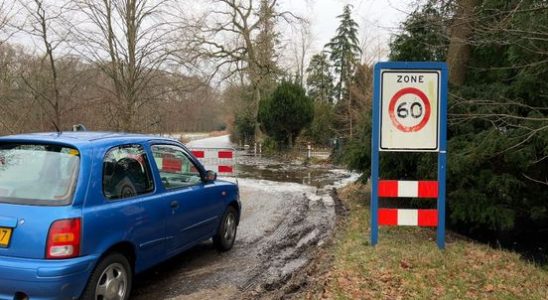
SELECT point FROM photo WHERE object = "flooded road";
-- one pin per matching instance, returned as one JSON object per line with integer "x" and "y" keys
{"x": 287, "y": 212}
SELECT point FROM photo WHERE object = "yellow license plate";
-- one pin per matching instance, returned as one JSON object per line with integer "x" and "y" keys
{"x": 5, "y": 236}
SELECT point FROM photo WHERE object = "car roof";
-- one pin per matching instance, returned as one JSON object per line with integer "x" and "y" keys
{"x": 82, "y": 138}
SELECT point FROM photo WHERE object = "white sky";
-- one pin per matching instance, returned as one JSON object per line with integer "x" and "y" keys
{"x": 377, "y": 18}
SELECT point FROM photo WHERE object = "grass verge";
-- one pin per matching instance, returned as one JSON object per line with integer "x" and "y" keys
{"x": 406, "y": 264}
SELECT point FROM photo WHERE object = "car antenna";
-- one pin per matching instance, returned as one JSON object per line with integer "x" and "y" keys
{"x": 56, "y": 127}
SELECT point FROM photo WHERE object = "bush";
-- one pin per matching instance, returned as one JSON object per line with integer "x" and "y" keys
{"x": 285, "y": 113}
{"x": 321, "y": 129}
{"x": 244, "y": 127}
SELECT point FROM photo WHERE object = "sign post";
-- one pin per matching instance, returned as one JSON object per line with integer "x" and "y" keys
{"x": 409, "y": 115}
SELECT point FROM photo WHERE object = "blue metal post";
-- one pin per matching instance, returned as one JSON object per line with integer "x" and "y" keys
{"x": 375, "y": 156}
{"x": 442, "y": 159}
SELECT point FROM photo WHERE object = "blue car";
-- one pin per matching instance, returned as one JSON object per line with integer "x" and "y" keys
{"x": 82, "y": 212}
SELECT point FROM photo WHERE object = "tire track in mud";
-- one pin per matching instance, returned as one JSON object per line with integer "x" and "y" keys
{"x": 283, "y": 252}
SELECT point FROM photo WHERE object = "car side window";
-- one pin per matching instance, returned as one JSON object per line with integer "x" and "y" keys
{"x": 175, "y": 167}
{"x": 126, "y": 172}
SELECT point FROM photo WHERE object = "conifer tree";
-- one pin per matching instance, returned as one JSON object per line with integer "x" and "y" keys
{"x": 344, "y": 53}
{"x": 320, "y": 79}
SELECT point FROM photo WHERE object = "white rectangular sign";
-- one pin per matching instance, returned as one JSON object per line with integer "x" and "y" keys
{"x": 409, "y": 110}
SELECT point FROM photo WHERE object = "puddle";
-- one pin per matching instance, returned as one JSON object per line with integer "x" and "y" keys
{"x": 275, "y": 169}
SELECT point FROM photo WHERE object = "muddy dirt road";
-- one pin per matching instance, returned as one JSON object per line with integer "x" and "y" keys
{"x": 282, "y": 221}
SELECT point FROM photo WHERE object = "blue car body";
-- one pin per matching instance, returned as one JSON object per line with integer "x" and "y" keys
{"x": 147, "y": 228}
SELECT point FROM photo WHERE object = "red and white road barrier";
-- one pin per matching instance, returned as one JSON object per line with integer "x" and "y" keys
{"x": 220, "y": 160}
{"x": 408, "y": 217}
{"x": 406, "y": 188}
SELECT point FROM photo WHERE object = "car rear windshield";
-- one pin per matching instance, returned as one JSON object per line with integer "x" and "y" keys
{"x": 37, "y": 174}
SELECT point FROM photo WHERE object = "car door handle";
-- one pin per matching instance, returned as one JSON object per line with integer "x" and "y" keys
{"x": 174, "y": 204}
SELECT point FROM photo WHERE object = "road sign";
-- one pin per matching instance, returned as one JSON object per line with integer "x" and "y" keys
{"x": 220, "y": 160}
{"x": 409, "y": 115}
{"x": 409, "y": 110}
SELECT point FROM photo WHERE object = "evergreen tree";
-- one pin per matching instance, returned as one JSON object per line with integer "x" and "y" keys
{"x": 322, "y": 129}
{"x": 499, "y": 128}
{"x": 423, "y": 35}
{"x": 498, "y": 121}
{"x": 286, "y": 113}
{"x": 344, "y": 51}
{"x": 320, "y": 79}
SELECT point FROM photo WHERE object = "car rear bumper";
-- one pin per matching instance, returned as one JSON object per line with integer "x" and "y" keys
{"x": 44, "y": 279}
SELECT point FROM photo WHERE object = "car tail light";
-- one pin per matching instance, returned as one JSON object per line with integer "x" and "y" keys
{"x": 64, "y": 239}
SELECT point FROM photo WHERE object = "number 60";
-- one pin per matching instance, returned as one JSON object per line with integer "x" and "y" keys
{"x": 415, "y": 110}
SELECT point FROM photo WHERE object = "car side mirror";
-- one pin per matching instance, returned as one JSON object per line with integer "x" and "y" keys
{"x": 210, "y": 176}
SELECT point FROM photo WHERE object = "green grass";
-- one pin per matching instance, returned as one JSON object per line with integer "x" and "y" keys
{"x": 406, "y": 264}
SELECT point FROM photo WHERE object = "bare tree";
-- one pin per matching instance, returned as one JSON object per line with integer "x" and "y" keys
{"x": 300, "y": 48}
{"x": 101, "y": 63}
{"x": 128, "y": 40}
{"x": 42, "y": 23}
{"x": 7, "y": 11}
{"x": 236, "y": 37}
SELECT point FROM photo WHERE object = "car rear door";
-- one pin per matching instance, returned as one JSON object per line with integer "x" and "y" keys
{"x": 194, "y": 207}
{"x": 124, "y": 204}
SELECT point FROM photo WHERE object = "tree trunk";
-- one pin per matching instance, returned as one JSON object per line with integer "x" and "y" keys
{"x": 350, "y": 110}
{"x": 290, "y": 141}
{"x": 257, "y": 102}
{"x": 458, "y": 53}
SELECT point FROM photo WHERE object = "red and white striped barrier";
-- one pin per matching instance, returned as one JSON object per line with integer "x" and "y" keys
{"x": 406, "y": 188}
{"x": 220, "y": 160}
{"x": 408, "y": 217}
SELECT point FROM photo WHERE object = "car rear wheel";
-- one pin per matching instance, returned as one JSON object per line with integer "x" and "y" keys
{"x": 111, "y": 279}
{"x": 226, "y": 234}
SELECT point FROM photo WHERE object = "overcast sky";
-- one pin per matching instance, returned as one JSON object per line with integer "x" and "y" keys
{"x": 377, "y": 18}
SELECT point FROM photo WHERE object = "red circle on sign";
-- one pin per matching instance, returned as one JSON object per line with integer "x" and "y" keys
{"x": 395, "y": 99}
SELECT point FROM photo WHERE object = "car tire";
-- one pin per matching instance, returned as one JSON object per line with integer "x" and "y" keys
{"x": 226, "y": 234}
{"x": 111, "y": 279}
